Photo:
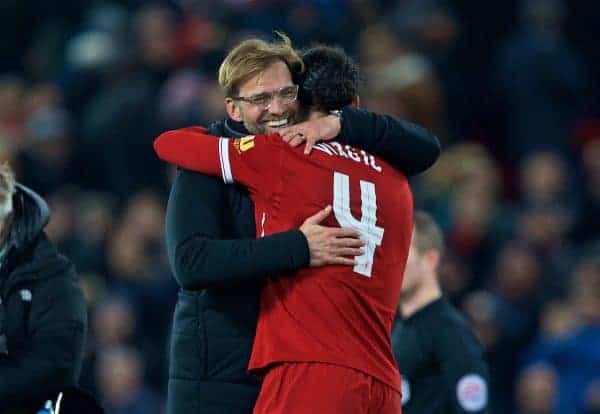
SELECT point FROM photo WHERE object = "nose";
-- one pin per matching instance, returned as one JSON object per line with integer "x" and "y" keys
{"x": 276, "y": 106}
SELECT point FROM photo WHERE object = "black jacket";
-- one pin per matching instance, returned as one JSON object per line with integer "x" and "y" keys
{"x": 44, "y": 312}
{"x": 220, "y": 266}
{"x": 441, "y": 362}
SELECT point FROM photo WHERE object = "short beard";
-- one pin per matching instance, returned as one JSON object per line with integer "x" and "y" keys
{"x": 255, "y": 129}
{"x": 260, "y": 128}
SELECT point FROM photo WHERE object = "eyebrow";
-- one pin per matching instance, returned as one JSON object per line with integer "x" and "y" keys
{"x": 270, "y": 91}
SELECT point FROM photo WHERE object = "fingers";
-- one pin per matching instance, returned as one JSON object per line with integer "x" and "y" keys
{"x": 345, "y": 257}
{"x": 309, "y": 146}
{"x": 342, "y": 261}
{"x": 294, "y": 137}
{"x": 341, "y": 232}
{"x": 349, "y": 242}
{"x": 289, "y": 133}
{"x": 348, "y": 252}
{"x": 297, "y": 140}
{"x": 318, "y": 217}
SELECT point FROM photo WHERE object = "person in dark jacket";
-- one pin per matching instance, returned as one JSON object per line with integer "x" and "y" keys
{"x": 42, "y": 308}
{"x": 211, "y": 243}
{"x": 440, "y": 360}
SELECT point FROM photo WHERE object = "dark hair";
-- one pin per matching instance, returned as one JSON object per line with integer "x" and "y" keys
{"x": 331, "y": 78}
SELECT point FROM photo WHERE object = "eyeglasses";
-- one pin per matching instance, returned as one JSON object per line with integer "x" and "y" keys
{"x": 286, "y": 95}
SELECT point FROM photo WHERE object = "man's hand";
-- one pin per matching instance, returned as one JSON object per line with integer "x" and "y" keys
{"x": 311, "y": 132}
{"x": 330, "y": 245}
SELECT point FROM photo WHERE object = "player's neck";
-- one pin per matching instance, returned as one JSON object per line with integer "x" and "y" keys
{"x": 419, "y": 299}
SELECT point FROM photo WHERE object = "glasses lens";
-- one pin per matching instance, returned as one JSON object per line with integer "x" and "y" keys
{"x": 260, "y": 100}
{"x": 288, "y": 93}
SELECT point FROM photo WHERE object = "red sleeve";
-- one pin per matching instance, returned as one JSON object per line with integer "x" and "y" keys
{"x": 249, "y": 161}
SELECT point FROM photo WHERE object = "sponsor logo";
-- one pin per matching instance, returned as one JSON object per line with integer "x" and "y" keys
{"x": 244, "y": 144}
{"x": 472, "y": 393}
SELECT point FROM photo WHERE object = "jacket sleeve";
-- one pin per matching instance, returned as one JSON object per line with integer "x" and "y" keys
{"x": 464, "y": 368}
{"x": 52, "y": 355}
{"x": 408, "y": 147}
{"x": 199, "y": 239}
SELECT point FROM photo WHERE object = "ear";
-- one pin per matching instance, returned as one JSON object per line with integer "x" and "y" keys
{"x": 432, "y": 259}
{"x": 233, "y": 110}
{"x": 356, "y": 102}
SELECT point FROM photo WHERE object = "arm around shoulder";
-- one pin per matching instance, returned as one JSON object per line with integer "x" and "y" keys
{"x": 410, "y": 148}
{"x": 200, "y": 245}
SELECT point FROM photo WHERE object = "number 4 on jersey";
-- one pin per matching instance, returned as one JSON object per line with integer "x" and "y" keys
{"x": 370, "y": 233}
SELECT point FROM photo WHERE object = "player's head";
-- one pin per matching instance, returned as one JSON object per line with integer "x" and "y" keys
{"x": 426, "y": 249}
{"x": 330, "y": 81}
{"x": 7, "y": 190}
{"x": 259, "y": 81}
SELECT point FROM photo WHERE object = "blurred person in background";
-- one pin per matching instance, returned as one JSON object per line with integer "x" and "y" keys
{"x": 208, "y": 223}
{"x": 463, "y": 192}
{"x": 544, "y": 230}
{"x": 506, "y": 317}
{"x": 408, "y": 88}
{"x": 46, "y": 159}
{"x": 119, "y": 119}
{"x": 574, "y": 355}
{"x": 120, "y": 373}
{"x": 586, "y": 228}
{"x": 536, "y": 390}
{"x": 43, "y": 317}
{"x": 112, "y": 324}
{"x": 544, "y": 216}
{"x": 440, "y": 360}
{"x": 139, "y": 270}
{"x": 540, "y": 81}
{"x": 12, "y": 106}
{"x": 543, "y": 179}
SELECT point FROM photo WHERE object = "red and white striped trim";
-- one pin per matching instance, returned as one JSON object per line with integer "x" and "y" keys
{"x": 224, "y": 160}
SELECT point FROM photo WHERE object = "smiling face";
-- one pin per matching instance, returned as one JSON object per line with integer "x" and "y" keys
{"x": 264, "y": 120}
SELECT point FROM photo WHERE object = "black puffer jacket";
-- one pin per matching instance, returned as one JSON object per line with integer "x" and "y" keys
{"x": 44, "y": 312}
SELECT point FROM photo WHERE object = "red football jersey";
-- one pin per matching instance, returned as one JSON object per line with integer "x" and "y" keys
{"x": 334, "y": 314}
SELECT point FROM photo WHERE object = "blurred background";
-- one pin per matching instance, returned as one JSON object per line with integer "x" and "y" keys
{"x": 510, "y": 87}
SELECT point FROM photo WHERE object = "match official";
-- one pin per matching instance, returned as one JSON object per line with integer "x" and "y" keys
{"x": 440, "y": 360}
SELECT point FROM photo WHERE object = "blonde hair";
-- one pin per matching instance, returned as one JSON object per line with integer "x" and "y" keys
{"x": 427, "y": 234}
{"x": 7, "y": 189}
{"x": 254, "y": 56}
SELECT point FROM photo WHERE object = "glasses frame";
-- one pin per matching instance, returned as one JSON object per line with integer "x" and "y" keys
{"x": 250, "y": 99}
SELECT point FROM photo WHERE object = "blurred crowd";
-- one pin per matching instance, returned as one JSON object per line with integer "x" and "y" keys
{"x": 510, "y": 88}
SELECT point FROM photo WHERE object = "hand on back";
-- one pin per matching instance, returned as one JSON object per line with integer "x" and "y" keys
{"x": 330, "y": 245}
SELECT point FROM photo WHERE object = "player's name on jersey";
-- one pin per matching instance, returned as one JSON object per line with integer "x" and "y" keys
{"x": 346, "y": 151}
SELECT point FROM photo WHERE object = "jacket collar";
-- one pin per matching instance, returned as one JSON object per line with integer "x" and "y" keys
{"x": 234, "y": 129}
{"x": 31, "y": 216}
